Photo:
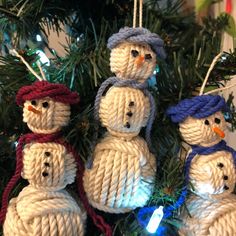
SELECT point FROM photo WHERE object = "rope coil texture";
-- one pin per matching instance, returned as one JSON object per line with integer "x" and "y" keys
{"x": 209, "y": 217}
{"x": 122, "y": 177}
{"x": 116, "y": 82}
{"x": 125, "y": 66}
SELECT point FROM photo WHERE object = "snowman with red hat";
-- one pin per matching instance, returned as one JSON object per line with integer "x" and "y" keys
{"x": 49, "y": 164}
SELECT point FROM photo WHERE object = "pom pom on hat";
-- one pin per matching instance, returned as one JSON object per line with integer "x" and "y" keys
{"x": 43, "y": 89}
{"x": 197, "y": 107}
{"x": 138, "y": 35}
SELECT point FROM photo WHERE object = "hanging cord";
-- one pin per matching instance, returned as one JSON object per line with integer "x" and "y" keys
{"x": 220, "y": 89}
{"x": 41, "y": 70}
{"x": 208, "y": 73}
{"x": 135, "y": 13}
{"x": 15, "y": 53}
{"x": 140, "y": 13}
{"x": 207, "y": 76}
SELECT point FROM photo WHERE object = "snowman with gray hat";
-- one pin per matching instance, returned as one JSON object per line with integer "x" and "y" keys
{"x": 122, "y": 173}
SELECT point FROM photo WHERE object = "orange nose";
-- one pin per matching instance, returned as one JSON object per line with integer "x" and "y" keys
{"x": 30, "y": 108}
{"x": 219, "y": 132}
{"x": 139, "y": 60}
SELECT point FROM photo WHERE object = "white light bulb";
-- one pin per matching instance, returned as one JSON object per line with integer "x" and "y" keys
{"x": 155, "y": 220}
{"x": 38, "y": 38}
{"x": 43, "y": 58}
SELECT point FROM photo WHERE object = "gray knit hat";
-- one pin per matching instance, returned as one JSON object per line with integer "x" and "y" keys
{"x": 138, "y": 35}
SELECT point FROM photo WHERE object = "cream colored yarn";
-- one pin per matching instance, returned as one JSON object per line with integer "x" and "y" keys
{"x": 213, "y": 176}
{"x": 43, "y": 213}
{"x": 48, "y": 119}
{"x": 122, "y": 176}
{"x": 210, "y": 217}
{"x": 124, "y": 111}
{"x": 48, "y": 166}
{"x": 126, "y": 66}
{"x": 195, "y": 132}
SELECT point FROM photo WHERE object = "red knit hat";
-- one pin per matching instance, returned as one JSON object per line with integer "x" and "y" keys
{"x": 42, "y": 89}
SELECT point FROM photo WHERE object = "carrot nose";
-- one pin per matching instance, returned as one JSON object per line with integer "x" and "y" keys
{"x": 139, "y": 60}
{"x": 219, "y": 132}
{"x": 30, "y": 108}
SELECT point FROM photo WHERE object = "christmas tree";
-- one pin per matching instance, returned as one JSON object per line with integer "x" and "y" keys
{"x": 190, "y": 48}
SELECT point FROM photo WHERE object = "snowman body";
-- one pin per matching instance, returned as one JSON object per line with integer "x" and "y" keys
{"x": 124, "y": 111}
{"x": 122, "y": 176}
{"x": 36, "y": 212}
{"x": 213, "y": 176}
{"x": 44, "y": 207}
{"x": 123, "y": 171}
{"x": 209, "y": 166}
{"x": 209, "y": 217}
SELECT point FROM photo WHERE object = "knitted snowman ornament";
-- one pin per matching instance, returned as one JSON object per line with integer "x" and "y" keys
{"x": 122, "y": 174}
{"x": 210, "y": 166}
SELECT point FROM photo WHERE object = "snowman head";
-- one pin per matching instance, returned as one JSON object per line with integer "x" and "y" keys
{"x": 46, "y": 106}
{"x": 200, "y": 119}
{"x": 134, "y": 52}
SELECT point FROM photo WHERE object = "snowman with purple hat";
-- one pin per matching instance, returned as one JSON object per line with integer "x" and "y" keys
{"x": 122, "y": 173}
{"x": 209, "y": 167}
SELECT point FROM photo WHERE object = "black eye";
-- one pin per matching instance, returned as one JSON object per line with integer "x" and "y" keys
{"x": 217, "y": 120}
{"x": 47, "y": 154}
{"x": 45, "y": 104}
{"x": 33, "y": 102}
{"x": 134, "y": 53}
{"x": 148, "y": 57}
{"x": 207, "y": 122}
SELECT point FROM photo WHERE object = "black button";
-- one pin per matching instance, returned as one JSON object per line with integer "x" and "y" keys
{"x": 45, "y": 104}
{"x": 47, "y": 154}
{"x": 34, "y": 103}
{"x": 225, "y": 177}
{"x": 47, "y": 164}
{"x": 44, "y": 174}
{"x": 127, "y": 125}
{"x": 129, "y": 113}
{"x": 217, "y": 120}
{"x": 221, "y": 165}
{"x": 207, "y": 122}
{"x": 226, "y": 187}
{"x": 131, "y": 104}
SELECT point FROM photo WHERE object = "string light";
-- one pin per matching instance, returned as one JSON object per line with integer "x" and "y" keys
{"x": 38, "y": 38}
{"x": 155, "y": 220}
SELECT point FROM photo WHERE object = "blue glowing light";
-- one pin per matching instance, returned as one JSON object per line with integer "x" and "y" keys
{"x": 155, "y": 220}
